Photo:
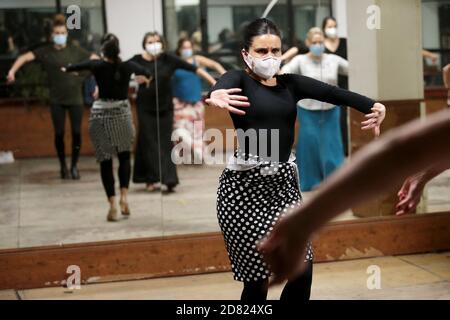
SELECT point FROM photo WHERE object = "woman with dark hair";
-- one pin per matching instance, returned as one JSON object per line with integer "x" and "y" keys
{"x": 110, "y": 124}
{"x": 154, "y": 104}
{"x": 66, "y": 91}
{"x": 256, "y": 189}
{"x": 189, "y": 110}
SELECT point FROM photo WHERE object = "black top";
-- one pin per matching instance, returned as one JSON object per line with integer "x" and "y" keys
{"x": 275, "y": 107}
{"x": 166, "y": 64}
{"x": 112, "y": 78}
{"x": 341, "y": 51}
{"x": 65, "y": 88}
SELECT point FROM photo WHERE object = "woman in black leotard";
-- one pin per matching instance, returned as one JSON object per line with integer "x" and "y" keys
{"x": 258, "y": 187}
{"x": 110, "y": 125}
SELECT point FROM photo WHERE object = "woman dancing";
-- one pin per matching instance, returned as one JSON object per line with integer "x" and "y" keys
{"x": 65, "y": 90}
{"x": 110, "y": 124}
{"x": 189, "y": 110}
{"x": 319, "y": 148}
{"x": 255, "y": 190}
{"x": 155, "y": 109}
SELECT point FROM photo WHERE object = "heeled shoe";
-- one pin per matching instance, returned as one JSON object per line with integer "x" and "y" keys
{"x": 75, "y": 173}
{"x": 64, "y": 173}
{"x": 112, "y": 215}
{"x": 124, "y": 208}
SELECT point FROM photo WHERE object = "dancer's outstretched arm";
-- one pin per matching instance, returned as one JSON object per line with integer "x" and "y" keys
{"x": 377, "y": 168}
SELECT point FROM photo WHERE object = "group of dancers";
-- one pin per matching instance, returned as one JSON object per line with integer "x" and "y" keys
{"x": 266, "y": 227}
{"x": 111, "y": 128}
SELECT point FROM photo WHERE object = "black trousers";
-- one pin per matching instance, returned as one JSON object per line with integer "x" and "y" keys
{"x": 124, "y": 172}
{"x": 58, "y": 112}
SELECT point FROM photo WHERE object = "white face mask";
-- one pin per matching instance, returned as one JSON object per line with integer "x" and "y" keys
{"x": 331, "y": 33}
{"x": 265, "y": 68}
{"x": 186, "y": 53}
{"x": 154, "y": 48}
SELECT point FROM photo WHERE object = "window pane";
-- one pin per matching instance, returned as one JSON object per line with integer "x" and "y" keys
{"x": 436, "y": 39}
{"x": 92, "y": 28}
{"x": 182, "y": 21}
{"x": 24, "y": 25}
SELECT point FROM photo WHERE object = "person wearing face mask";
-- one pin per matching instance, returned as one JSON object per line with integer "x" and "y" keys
{"x": 255, "y": 189}
{"x": 110, "y": 123}
{"x": 66, "y": 90}
{"x": 155, "y": 104}
{"x": 187, "y": 92}
{"x": 319, "y": 143}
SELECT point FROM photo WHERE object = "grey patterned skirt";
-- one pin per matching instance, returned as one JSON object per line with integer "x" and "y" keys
{"x": 249, "y": 203}
{"x": 111, "y": 128}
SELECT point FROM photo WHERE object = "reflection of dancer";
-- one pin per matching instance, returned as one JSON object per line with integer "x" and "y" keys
{"x": 189, "y": 110}
{"x": 390, "y": 157}
{"x": 110, "y": 124}
{"x": 65, "y": 90}
{"x": 338, "y": 46}
{"x": 155, "y": 109}
{"x": 319, "y": 144}
{"x": 253, "y": 192}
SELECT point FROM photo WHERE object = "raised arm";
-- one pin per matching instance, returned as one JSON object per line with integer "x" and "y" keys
{"x": 377, "y": 168}
{"x": 20, "y": 61}
{"x": 292, "y": 66}
{"x": 292, "y": 52}
{"x": 81, "y": 66}
{"x": 305, "y": 87}
{"x": 137, "y": 69}
{"x": 211, "y": 64}
{"x": 343, "y": 66}
{"x": 224, "y": 93}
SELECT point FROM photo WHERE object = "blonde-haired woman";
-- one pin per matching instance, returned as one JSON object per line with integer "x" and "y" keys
{"x": 319, "y": 141}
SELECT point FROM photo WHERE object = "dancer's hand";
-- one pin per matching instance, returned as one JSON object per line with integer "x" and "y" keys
{"x": 11, "y": 77}
{"x": 410, "y": 193}
{"x": 63, "y": 69}
{"x": 225, "y": 98}
{"x": 375, "y": 118}
{"x": 95, "y": 93}
{"x": 284, "y": 249}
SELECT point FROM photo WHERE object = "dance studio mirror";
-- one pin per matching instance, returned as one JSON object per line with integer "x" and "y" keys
{"x": 38, "y": 208}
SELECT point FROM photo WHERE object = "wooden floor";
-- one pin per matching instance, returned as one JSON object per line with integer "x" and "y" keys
{"x": 424, "y": 276}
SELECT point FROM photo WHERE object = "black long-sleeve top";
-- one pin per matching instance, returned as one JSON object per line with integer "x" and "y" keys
{"x": 112, "y": 78}
{"x": 163, "y": 69}
{"x": 275, "y": 107}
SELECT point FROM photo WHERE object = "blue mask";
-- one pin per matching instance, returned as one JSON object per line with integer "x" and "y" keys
{"x": 60, "y": 39}
{"x": 317, "y": 49}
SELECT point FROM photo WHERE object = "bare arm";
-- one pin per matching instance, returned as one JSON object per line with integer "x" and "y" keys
{"x": 20, "y": 61}
{"x": 211, "y": 64}
{"x": 428, "y": 54}
{"x": 205, "y": 75}
{"x": 399, "y": 154}
{"x": 446, "y": 76}
{"x": 292, "y": 52}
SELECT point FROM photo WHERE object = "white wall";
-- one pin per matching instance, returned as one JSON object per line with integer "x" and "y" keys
{"x": 129, "y": 20}
{"x": 339, "y": 11}
{"x": 386, "y": 64}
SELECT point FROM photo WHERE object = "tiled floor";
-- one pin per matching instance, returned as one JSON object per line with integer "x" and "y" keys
{"x": 37, "y": 208}
{"x": 424, "y": 276}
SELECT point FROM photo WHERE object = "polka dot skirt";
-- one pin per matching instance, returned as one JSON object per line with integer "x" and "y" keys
{"x": 249, "y": 203}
